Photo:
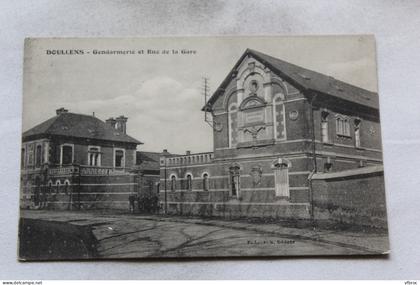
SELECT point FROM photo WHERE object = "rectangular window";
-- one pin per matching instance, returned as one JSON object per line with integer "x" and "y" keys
{"x": 342, "y": 126}
{"x": 31, "y": 154}
{"x": 94, "y": 156}
{"x": 346, "y": 127}
{"x": 119, "y": 158}
{"x": 38, "y": 156}
{"x": 66, "y": 154}
{"x": 339, "y": 126}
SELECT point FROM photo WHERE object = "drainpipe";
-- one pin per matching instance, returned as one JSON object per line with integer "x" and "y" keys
{"x": 315, "y": 166}
{"x": 78, "y": 188}
{"x": 311, "y": 198}
{"x": 166, "y": 187}
{"x": 71, "y": 191}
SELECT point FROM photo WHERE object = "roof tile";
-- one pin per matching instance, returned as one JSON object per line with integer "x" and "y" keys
{"x": 303, "y": 78}
{"x": 80, "y": 126}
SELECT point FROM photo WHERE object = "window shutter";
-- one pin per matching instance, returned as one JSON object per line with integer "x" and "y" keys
{"x": 282, "y": 181}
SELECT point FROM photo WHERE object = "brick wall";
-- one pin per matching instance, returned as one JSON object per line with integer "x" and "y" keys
{"x": 89, "y": 192}
{"x": 255, "y": 199}
{"x": 354, "y": 197}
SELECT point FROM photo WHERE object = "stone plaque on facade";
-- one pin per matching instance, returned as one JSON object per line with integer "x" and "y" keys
{"x": 254, "y": 117}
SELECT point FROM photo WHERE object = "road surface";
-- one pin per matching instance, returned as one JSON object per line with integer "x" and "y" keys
{"x": 132, "y": 236}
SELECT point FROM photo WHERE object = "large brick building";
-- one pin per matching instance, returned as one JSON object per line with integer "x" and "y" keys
{"x": 275, "y": 125}
{"x": 75, "y": 161}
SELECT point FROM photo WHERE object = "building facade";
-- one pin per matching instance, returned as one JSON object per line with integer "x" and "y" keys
{"x": 275, "y": 125}
{"x": 75, "y": 161}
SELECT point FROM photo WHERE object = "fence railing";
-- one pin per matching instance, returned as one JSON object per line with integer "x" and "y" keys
{"x": 189, "y": 159}
{"x": 86, "y": 170}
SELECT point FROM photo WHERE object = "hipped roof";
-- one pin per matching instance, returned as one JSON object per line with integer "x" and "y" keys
{"x": 78, "y": 126}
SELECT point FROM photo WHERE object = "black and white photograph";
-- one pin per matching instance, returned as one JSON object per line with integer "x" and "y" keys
{"x": 201, "y": 147}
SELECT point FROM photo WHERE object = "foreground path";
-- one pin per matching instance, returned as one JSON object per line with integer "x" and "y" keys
{"x": 131, "y": 236}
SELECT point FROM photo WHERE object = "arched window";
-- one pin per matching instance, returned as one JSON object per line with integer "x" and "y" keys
{"x": 357, "y": 133}
{"x": 279, "y": 117}
{"x": 157, "y": 187}
{"x": 66, "y": 186}
{"x": 57, "y": 184}
{"x": 232, "y": 124}
{"x": 205, "y": 182}
{"x": 234, "y": 181}
{"x": 324, "y": 127}
{"x": 189, "y": 182}
{"x": 173, "y": 182}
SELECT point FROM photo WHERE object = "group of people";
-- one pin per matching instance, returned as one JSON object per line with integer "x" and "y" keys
{"x": 145, "y": 204}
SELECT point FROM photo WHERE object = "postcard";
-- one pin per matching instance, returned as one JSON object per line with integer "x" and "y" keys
{"x": 192, "y": 147}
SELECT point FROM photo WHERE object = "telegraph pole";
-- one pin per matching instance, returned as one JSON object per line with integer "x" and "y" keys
{"x": 205, "y": 94}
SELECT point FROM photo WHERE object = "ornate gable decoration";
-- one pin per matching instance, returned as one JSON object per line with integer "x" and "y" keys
{"x": 252, "y": 102}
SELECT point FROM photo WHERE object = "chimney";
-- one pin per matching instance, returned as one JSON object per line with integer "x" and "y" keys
{"x": 111, "y": 122}
{"x": 121, "y": 124}
{"x": 188, "y": 152}
{"x": 61, "y": 111}
{"x": 163, "y": 156}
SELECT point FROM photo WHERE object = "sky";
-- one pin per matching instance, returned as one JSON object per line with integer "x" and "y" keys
{"x": 161, "y": 94}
